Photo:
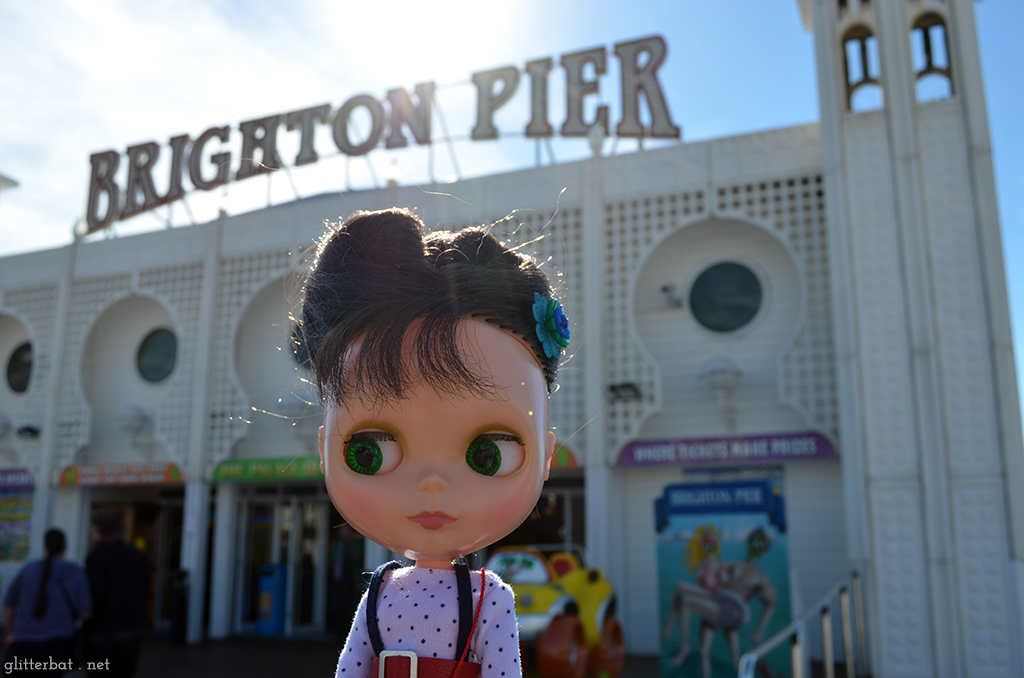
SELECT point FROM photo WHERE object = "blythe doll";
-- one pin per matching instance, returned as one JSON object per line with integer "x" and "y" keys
{"x": 434, "y": 354}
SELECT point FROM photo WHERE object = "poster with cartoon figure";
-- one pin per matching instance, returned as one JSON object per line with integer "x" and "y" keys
{"x": 723, "y": 571}
{"x": 16, "y": 502}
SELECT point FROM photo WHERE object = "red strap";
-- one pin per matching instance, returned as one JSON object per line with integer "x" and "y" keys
{"x": 476, "y": 618}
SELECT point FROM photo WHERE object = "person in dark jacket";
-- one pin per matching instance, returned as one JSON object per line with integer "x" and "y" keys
{"x": 119, "y": 579}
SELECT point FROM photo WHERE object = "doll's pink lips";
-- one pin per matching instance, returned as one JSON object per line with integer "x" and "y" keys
{"x": 432, "y": 521}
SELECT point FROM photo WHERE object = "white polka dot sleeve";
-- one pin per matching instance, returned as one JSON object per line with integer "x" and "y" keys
{"x": 355, "y": 659}
{"x": 496, "y": 643}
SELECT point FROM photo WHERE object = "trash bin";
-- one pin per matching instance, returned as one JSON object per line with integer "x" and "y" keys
{"x": 179, "y": 607}
{"x": 272, "y": 582}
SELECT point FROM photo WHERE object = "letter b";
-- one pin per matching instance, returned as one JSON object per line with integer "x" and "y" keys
{"x": 104, "y": 166}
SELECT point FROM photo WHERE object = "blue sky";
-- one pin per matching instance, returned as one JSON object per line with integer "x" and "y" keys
{"x": 80, "y": 77}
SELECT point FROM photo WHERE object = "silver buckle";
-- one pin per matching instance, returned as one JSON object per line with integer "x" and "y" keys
{"x": 413, "y": 661}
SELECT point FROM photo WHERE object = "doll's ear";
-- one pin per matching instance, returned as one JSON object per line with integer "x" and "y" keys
{"x": 320, "y": 444}
{"x": 550, "y": 454}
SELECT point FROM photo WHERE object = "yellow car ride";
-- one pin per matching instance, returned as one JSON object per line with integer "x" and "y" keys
{"x": 566, "y": 611}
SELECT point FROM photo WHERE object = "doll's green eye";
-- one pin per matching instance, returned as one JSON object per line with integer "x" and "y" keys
{"x": 370, "y": 452}
{"x": 495, "y": 454}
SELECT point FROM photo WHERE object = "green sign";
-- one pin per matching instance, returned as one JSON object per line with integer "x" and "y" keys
{"x": 272, "y": 470}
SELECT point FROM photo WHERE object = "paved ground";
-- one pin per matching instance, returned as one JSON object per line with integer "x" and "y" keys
{"x": 256, "y": 657}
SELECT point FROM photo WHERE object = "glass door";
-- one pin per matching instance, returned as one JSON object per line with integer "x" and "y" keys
{"x": 292, "y": 532}
{"x": 258, "y": 537}
{"x": 307, "y": 563}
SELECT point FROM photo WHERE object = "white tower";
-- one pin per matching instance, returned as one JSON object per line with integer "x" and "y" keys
{"x": 930, "y": 422}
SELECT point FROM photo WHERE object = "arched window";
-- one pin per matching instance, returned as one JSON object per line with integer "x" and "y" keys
{"x": 863, "y": 86}
{"x": 930, "y": 51}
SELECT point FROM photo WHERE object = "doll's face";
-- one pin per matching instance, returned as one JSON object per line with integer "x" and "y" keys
{"x": 435, "y": 477}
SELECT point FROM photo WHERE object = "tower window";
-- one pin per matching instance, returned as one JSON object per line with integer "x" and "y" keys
{"x": 930, "y": 50}
{"x": 863, "y": 86}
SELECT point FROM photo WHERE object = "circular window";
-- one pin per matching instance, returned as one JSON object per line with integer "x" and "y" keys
{"x": 725, "y": 297}
{"x": 19, "y": 368}
{"x": 299, "y": 351}
{"x": 157, "y": 355}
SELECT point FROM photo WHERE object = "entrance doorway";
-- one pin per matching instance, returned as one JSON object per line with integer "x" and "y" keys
{"x": 152, "y": 522}
{"x": 346, "y": 550}
{"x": 287, "y": 529}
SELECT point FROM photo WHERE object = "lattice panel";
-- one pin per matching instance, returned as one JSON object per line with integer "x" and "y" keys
{"x": 38, "y": 307}
{"x": 795, "y": 207}
{"x": 899, "y": 554}
{"x": 630, "y": 228}
{"x": 181, "y": 287}
{"x": 968, "y": 393}
{"x": 882, "y": 333}
{"x": 88, "y": 298}
{"x": 981, "y": 538}
{"x": 239, "y": 278}
{"x": 560, "y": 253}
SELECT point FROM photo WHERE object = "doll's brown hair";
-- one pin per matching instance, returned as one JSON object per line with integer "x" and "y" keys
{"x": 376, "y": 273}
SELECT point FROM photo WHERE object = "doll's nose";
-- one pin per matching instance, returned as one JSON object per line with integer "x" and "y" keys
{"x": 432, "y": 483}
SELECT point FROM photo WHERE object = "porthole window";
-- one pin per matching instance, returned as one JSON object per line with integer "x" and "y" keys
{"x": 157, "y": 355}
{"x": 299, "y": 351}
{"x": 19, "y": 368}
{"x": 725, "y": 297}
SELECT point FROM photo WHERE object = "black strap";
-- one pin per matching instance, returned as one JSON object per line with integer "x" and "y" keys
{"x": 371, "y": 605}
{"x": 465, "y": 607}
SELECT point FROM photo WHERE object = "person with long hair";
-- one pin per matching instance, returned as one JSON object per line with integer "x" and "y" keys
{"x": 42, "y": 605}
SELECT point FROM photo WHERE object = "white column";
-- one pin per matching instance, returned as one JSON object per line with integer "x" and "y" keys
{"x": 197, "y": 491}
{"x": 222, "y": 585}
{"x": 42, "y": 509}
{"x": 595, "y": 457}
{"x": 193, "y": 553}
{"x": 968, "y": 82}
{"x": 71, "y": 514}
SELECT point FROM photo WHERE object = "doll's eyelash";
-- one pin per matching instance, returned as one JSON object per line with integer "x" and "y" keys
{"x": 375, "y": 436}
{"x": 503, "y": 438}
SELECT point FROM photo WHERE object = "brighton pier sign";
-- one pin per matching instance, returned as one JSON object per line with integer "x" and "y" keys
{"x": 398, "y": 112}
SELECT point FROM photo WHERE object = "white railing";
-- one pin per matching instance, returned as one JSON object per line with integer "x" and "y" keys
{"x": 823, "y": 610}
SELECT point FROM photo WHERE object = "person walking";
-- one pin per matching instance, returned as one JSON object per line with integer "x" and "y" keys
{"x": 40, "y": 610}
{"x": 119, "y": 579}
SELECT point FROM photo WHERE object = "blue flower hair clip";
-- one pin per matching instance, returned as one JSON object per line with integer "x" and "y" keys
{"x": 552, "y": 325}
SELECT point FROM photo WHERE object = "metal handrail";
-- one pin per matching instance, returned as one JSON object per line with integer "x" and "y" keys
{"x": 795, "y": 633}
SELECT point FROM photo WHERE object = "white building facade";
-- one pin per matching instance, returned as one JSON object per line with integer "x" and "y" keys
{"x": 880, "y": 326}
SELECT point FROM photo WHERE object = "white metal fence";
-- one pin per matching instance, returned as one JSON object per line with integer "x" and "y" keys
{"x": 823, "y": 611}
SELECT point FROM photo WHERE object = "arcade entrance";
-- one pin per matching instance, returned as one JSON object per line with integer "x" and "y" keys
{"x": 295, "y": 562}
{"x": 152, "y": 519}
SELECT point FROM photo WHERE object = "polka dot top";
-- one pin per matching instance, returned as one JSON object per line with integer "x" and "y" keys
{"x": 418, "y": 610}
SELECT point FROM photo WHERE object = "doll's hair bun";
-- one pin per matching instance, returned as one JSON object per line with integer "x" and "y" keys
{"x": 377, "y": 273}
